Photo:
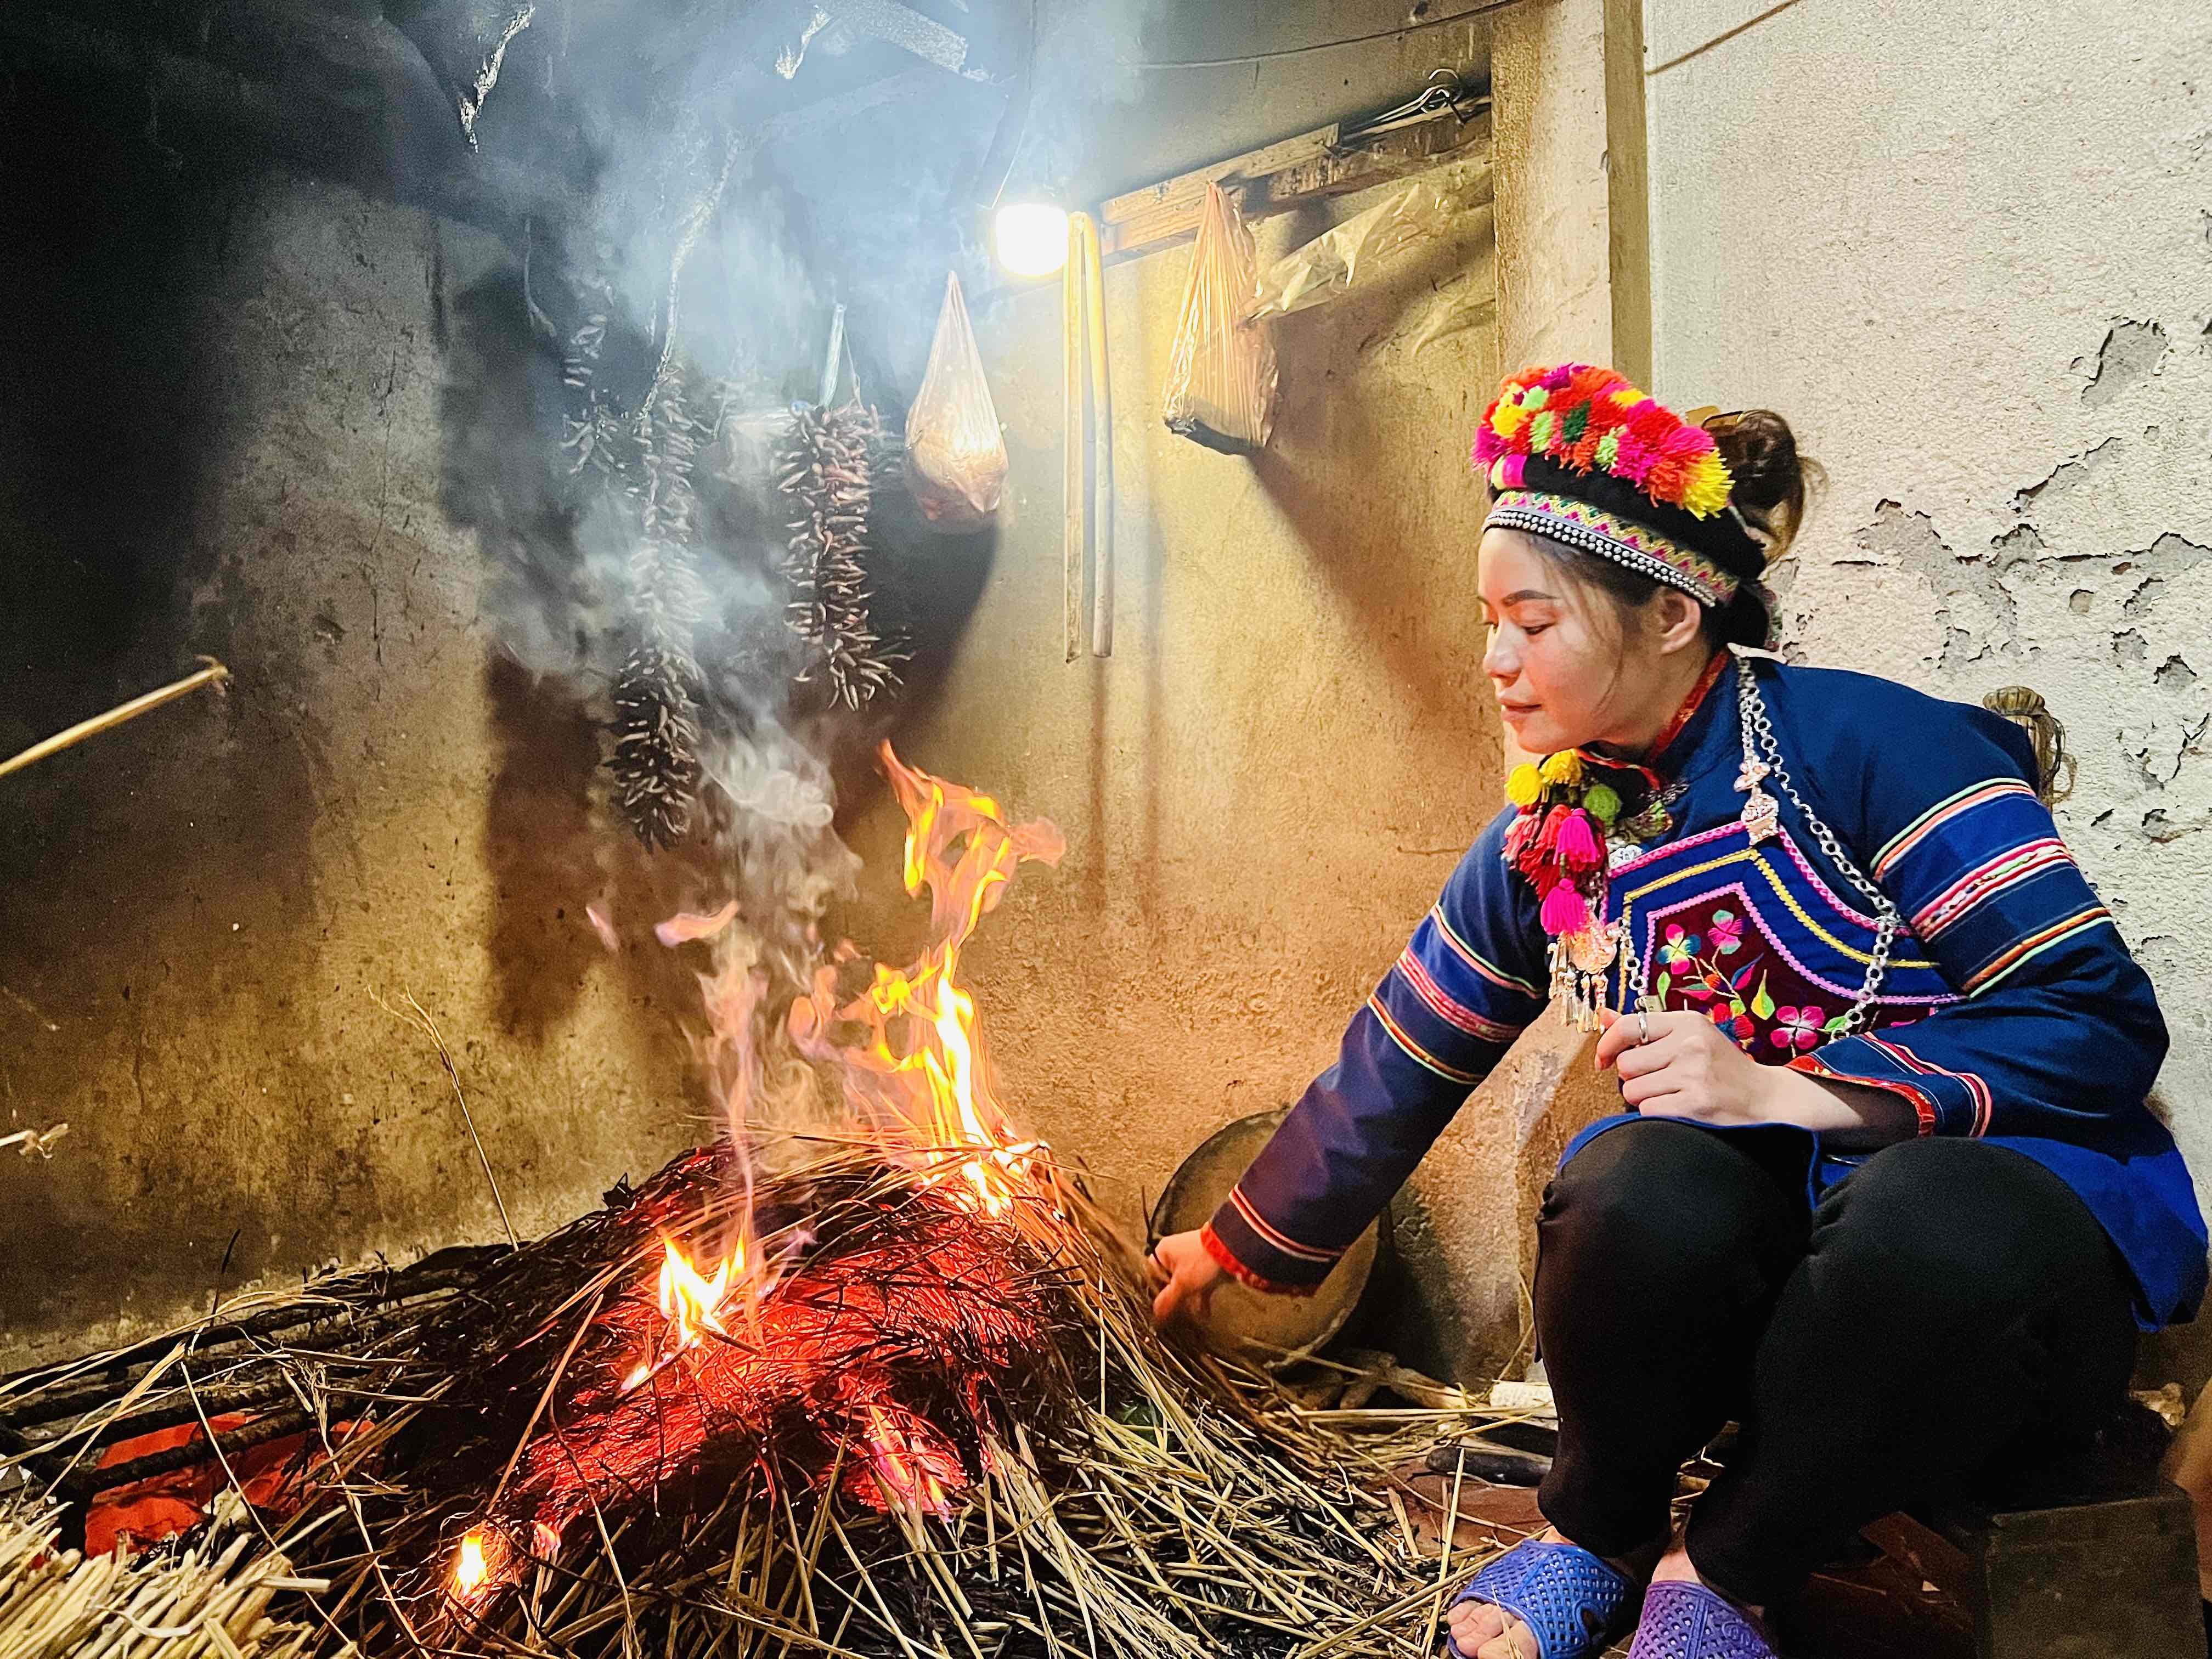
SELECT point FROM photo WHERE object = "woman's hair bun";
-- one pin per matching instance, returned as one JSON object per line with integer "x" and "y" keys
{"x": 1772, "y": 481}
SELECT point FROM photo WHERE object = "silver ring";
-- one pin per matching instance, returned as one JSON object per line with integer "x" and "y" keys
{"x": 1643, "y": 1028}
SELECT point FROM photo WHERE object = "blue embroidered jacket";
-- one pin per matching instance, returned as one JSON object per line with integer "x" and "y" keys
{"x": 2012, "y": 1009}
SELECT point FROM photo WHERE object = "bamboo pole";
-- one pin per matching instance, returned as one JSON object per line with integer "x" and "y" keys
{"x": 1073, "y": 549}
{"x": 213, "y": 674}
{"x": 1102, "y": 454}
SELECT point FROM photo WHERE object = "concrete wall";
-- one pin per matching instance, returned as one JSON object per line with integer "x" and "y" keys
{"x": 222, "y": 414}
{"x": 1968, "y": 252}
{"x": 1265, "y": 786}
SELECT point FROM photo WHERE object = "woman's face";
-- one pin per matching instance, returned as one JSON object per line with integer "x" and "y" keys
{"x": 1568, "y": 669}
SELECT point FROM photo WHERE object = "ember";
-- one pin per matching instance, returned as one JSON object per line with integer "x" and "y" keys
{"x": 907, "y": 1333}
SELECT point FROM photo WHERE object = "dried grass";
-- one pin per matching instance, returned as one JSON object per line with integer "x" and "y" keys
{"x": 1122, "y": 1495}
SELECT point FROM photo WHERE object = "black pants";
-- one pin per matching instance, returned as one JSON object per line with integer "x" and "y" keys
{"x": 1948, "y": 1299}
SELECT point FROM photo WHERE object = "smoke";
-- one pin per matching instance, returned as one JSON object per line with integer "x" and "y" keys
{"x": 624, "y": 397}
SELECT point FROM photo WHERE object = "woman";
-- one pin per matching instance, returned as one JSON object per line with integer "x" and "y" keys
{"x": 1887, "y": 1193}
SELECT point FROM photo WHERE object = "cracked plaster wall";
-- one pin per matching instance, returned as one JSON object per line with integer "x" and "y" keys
{"x": 1968, "y": 252}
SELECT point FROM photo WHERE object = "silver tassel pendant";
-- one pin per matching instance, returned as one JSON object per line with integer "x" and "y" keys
{"x": 1580, "y": 963}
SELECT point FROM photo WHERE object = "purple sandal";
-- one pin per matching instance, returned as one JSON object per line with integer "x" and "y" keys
{"x": 1572, "y": 1603}
{"x": 1682, "y": 1620}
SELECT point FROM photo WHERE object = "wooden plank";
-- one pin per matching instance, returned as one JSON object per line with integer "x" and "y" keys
{"x": 1186, "y": 191}
{"x": 1628, "y": 190}
{"x": 1311, "y": 167}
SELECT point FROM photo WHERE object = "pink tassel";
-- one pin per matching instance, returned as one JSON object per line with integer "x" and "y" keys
{"x": 1577, "y": 847}
{"x": 1565, "y": 911}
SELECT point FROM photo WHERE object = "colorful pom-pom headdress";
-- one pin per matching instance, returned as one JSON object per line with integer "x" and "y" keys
{"x": 1578, "y": 454}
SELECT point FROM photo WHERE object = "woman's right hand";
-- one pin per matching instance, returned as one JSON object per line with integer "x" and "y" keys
{"x": 1186, "y": 1276}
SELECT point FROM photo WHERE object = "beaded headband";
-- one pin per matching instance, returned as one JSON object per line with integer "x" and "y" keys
{"x": 1593, "y": 530}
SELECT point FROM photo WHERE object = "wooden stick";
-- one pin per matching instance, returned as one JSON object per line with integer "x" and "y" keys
{"x": 1102, "y": 448}
{"x": 214, "y": 674}
{"x": 34, "y": 1143}
{"x": 1074, "y": 548}
{"x": 1291, "y": 173}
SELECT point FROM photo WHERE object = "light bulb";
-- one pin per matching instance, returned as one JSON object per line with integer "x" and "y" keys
{"x": 1032, "y": 238}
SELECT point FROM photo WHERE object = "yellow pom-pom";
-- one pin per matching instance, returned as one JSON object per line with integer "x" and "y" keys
{"x": 1522, "y": 785}
{"x": 1564, "y": 768}
{"x": 1509, "y": 419}
{"x": 1705, "y": 486}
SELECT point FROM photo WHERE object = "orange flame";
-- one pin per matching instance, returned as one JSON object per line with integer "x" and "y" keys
{"x": 469, "y": 1569}
{"x": 692, "y": 1302}
{"x": 900, "y": 1465}
{"x": 924, "y": 1066}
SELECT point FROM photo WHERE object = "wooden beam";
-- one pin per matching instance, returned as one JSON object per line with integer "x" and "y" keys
{"x": 1628, "y": 190}
{"x": 1311, "y": 167}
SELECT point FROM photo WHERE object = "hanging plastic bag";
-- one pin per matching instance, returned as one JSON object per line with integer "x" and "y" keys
{"x": 955, "y": 456}
{"x": 1356, "y": 251}
{"x": 1221, "y": 378}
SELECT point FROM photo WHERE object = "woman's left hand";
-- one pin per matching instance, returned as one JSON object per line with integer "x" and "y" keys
{"x": 1683, "y": 1065}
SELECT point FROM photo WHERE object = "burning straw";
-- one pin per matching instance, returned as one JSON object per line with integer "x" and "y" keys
{"x": 939, "y": 1435}
{"x": 899, "y": 1398}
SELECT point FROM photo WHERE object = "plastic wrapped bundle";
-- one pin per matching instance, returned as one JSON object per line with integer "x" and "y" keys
{"x": 1221, "y": 379}
{"x": 955, "y": 456}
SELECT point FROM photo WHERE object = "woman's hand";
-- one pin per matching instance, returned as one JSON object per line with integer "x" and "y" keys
{"x": 1683, "y": 1065}
{"x": 1186, "y": 1275}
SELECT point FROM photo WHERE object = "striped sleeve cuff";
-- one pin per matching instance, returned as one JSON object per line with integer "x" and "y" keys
{"x": 1257, "y": 1253}
{"x": 1945, "y": 1102}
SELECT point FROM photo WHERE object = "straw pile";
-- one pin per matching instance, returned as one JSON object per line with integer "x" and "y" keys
{"x": 1088, "y": 1492}
{"x": 192, "y": 1603}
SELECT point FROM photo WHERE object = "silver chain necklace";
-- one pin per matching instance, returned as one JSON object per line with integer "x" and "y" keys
{"x": 1762, "y": 819}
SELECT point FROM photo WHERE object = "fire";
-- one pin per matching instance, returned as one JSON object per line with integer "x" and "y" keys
{"x": 924, "y": 1066}
{"x": 470, "y": 1570}
{"x": 901, "y": 1460}
{"x": 920, "y": 1075}
{"x": 691, "y": 1302}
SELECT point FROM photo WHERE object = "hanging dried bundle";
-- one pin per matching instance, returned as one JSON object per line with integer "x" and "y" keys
{"x": 644, "y": 463}
{"x": 655, "y": 760}
{"x": 594, "y": 437}
{"x": 829, "y": 462}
